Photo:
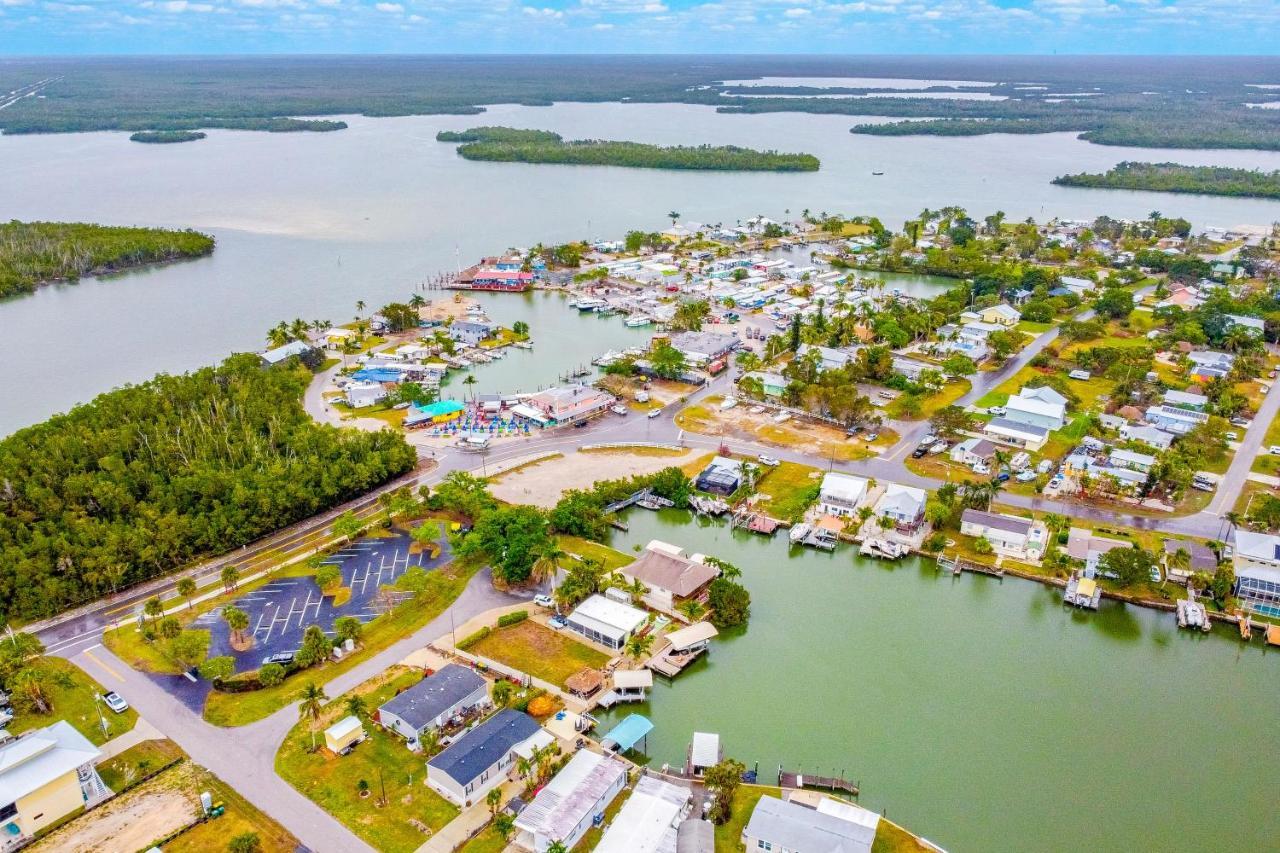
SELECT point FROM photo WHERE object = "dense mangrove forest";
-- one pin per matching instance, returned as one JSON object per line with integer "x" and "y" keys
{"x": 1176, "y": 178}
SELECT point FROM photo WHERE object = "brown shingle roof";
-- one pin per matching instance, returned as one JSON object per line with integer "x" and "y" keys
{"x": 681, "y": 576}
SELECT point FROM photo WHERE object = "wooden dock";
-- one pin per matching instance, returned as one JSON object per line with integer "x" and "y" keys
{"x": 957, "y": 565}
{"x": 670, "y": 664}
{"x": 789, "y": 779}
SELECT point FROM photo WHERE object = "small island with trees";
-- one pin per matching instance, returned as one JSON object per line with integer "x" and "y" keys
{"x": 34, "y": 253}
{"x": 1176, "y": 178}
{"x": 164, "y": 137}
{"x": 512, "y": 145}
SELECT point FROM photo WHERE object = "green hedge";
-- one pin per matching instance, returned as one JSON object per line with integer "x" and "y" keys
{"x": 469, "y": 641}
{"x": 513, "y": 618}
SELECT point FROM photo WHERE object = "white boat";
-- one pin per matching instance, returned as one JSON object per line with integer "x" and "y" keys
{"x": 637, "y": 322}
{"x": 590, "y": 303}
{"x": 799, "y": 532}
{"x": 523, "y": 344}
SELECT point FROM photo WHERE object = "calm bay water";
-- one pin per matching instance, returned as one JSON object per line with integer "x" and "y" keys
{"x": 309, "y": 223}
{"x": 978, "y": 713}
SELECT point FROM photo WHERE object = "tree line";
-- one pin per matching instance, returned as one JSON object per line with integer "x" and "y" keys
{"x": 32, "y": 253}
{"x": 1176, "y": 178}
{"x": 509, "y": 145}
{"x": 148, "y": 477}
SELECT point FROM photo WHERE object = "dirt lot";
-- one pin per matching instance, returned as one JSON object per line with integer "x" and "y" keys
{"x": 132, "y": 821}
{"x": 542, "y": 484}
{"x": 814, "y": 439}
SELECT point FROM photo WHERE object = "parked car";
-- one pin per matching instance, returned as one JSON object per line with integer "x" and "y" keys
{"x": 929, "y": 438}
{"x": 579, "y": 424}
{"x": 1202, "y": 485}
{"x": 767, "y": 460}
{"x": 871, "y": 436}
{"x": 115, "y": 702}
{"x": 618, "y": 410}
{"x": 1274, "y": 449}
{"x": 557, "y": 622}
{"x": 1055, "y": 482}
{"x": 6, "y": 716}
{"x": 653, "y": 413}
{"x": 998, "y": 411}
{"x": 282, "y": 658}
{"x": 1241, "y": 422}
{"x": 919, "y": 451}
{"x": 938, "y": 447}
{"x": 1232, "y": 436}
{"x": 1080, "y": 374}
{"x": 544, "y": 601}
{"x": 1025, "y": 476}
{"x": 1002, "y": 477}
{"x": 1045, "y": 466}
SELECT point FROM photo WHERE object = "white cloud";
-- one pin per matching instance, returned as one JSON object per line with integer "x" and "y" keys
{"x": 797, "y": 12}
{"x": 545, "y": 12}
{"x": 389, "y": 8}
{"x": 602, "y": 26}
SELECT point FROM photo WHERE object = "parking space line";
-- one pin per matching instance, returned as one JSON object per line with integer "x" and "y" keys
{"x": 258, "y": 627}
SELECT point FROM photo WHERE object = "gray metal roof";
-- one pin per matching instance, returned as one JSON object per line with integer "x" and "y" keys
{"x": 432, "y": 696}
{"x": 996, "y": 521}
{"x": 480, "y": 748}
{"x": 795, "y": 827}
{"x": 695, "y": 836}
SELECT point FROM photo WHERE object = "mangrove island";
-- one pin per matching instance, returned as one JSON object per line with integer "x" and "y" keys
{"x": 1176, "y": 178}
{"x": 166, "y": 137}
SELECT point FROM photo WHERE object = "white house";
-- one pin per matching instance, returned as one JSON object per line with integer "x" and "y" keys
{"x": 571, "y": 802}
{"x": 832, "y": 827}
{"x": 1020, "y": 538}
{"x": 432, "y": 701}
{"x": 361, "y": 394}
{"x": 1081, "y": 287}
{"x": 841, "y": 494}
{"x": 469, "y": 767}
{"x": 1253, "y": 325}
{"x": 828, "y": 358}
{"x": 569, "y": 403}
{"x": 602, "y": 620}
{"x": 669, "y": 575}
{"x": 1175, "y": 419}
{"x": 1256, "y": 560}
{"x": 648, "y": 821}
{"x": 470, "y": 332}
{"x": 1185, "y": 400}
{"x": 1133, "y": 461}
{"x": 973, "y": 452}
{"x": 903, "y": 505}
{"x": 1152, "y": 437}
{"x": 1026, "y": 436}
{"x": 1042, "y": 407}
{"x": 46, "y": 775}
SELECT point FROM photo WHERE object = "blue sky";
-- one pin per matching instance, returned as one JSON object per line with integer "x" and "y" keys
{"x": 639, "y": 26}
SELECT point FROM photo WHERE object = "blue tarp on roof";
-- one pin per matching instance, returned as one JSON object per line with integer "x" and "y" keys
{"x": 377, "y": 374}
{"x": 440, "y": 408}
{"x": 628, "y": 733}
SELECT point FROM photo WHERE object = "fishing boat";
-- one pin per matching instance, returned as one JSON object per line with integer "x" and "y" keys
{"x": 590, "y": 303}
{"x": 637, "y": 322}
{"x": 523, "y": 344}
{"x": 799, "y": 532}
{"x": 877, "y": 174}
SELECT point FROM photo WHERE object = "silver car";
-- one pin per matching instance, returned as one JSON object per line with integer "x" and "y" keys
{"x": 115, "y": 702}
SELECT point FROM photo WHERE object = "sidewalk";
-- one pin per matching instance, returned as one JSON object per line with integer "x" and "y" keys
{"x": 459, "y": 830}
{"x": 143, "y": 730}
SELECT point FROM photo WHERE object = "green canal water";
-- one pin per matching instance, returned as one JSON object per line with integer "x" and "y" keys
{"x": 981, "y": 714}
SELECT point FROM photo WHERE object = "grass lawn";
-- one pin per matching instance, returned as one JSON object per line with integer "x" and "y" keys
{"x": 382, "y": 760}
{"x": 139, "y": 759}
{"x": 694, "y": 467}
{"x": 729, "y": 834}
{"x": 446, "y": 584}
{"x": 633, "y": 451}
{"x": 940, "y": 467}
{"x": 1033, "y": 328}
{"x": 1265, "y": 463}
{"x": 930, "y": 405}
{"x": 891, "y": 838}
{"x": 788, "y": 490}
{"x": 488, "y": 841}
{"x": 70, "y": 691}
{"x": 695, "y": 418}
{"x": 610, "y": 558}
{"x": 539, "y": 651}
{"x": 241, "y": 816}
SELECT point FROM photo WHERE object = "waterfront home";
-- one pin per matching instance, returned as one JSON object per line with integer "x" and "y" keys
{"x": 1185, "y": 400}
{"x": 1015, "y": 434}
{"x": 903, "y": 505}
{"x": 605, "y": 621}
{"x": 1173, "y": 419}
{"x": 1000, "y": 315}
{"x": 773, "y": 384}
{"x": 571, "y": 803}
{"x": 286, "y": 352}
{"x": 1041, "y": 407}
{"x": 1009, "y": 535}
{"x": 700, "y": 348}
{"x": 335, "y": 338}
{"x": 722, "y": 476}
{"x": 841, "y": 494}
{"x": 342, "y": 736}
{"x": 45, "y": 775}
{"x": 471, "y": 332}
{"x": 431, "y": 702}
{"x": 1151, "y": 436}
{"x": 1085, "y": 545}
{"x": 569, "y": 403}
{"x": 832, "y": 827}
{"x": 363, "y": 393}
{"x": 1200, "y": 558}
{"x": 478, "y": 761}
{"x": 974, "y": 452}
{"x": 670, "y": 577}
{"x": 1256, "y": 560}
{"x": 510, "y": 280}
{"x": 648, "y": 820}
{"x": 1131, "y": 460}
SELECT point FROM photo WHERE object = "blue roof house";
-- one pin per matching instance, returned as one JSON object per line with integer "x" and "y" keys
{"x": 478, "y": 762}
{"x": 432, "y": 701}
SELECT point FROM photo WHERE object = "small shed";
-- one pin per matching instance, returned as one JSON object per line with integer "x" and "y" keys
{"x": 344, "y": 734}
{"x": 584, "y": 683}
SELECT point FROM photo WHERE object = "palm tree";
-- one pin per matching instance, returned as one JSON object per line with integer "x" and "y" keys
{"x": 237, "y": 620}
{"x": 152, "y": 608}
{"x": 470, "y": 382}
{"x": 359, "y": 307}
{"x": 186, "y": 588}
{"x": 298, "y": 329}
{"x": 310, "y": 706}
{"x": 674, "y": 216}
{"x": 639, "y": 645}
{"x": 230, "y": 577}
{"x": 349, "y": 347}
{"x": 416, "y": 301}
{"x": 557, "y": 847}
{"x": 494, "y": 801}
{"x": 548, "y": 561}
{"x": 356, "y": 707}
{"x": 278, "y": 336}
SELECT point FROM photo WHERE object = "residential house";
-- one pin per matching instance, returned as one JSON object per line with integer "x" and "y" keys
{"x": 471, "y": 332}
{"x": 974, "y": 452}
{"x": 722, "y": 476}
{"x": 1210, "y": 364}
{"x": 286, "y": 352}
{"x": 648, "y": 821}
{"x": 1256, "y": 560}
{"x": 670, "y": 577}
{"x": 832, "y": 827}
{"x": 502, "y": 279}
{"x": 335, "y": 338}
{"x": 841, "y": 494}
{"x": 45, "y": 775}
{"x": 911, "y": 368}
{"x": 570, "y": 403}
{"x": 1133, "y": 461}
{"x": 1085, "y": 545}
{"x": 699, "y": 348}
{"x": 773, "y": 384}
{"x": 1174, "y": 419}
{"x": 1081, "y": 287}
{"x": 828, "y": 358}
{"x": 1201, "y": 558}
{"x": 1253, "y": 325}
{"x": 1009, "y": 535}
{"x": 360, "y": 394}
{"x": 903, "y": 505}
{"x": 1185, "y": 400}
{"x": 1152, "y": 437}
{"x": 1015, "y": 434}
{"x": 1000, "y": 315}
{"x": 1042, "y": 407}
{"x": 571, "y": 803}
{"x": 471, "y": 766}
{"x": 431, "y": 702}
{"x": 605, "y": 621}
